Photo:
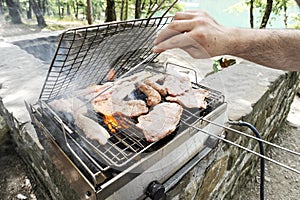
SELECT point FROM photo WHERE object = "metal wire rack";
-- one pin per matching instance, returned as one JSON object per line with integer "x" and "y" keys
{"x": 89, "y": 55}
{"x": 128, "y": 143}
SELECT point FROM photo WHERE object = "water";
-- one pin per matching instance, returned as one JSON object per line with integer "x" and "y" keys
{"x": 220, "y": 10}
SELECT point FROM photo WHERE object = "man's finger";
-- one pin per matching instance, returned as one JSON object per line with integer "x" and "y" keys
{"x": 184, "y": 15}
{"x": 174, "y": 28}
{"x": 178, "y": 41}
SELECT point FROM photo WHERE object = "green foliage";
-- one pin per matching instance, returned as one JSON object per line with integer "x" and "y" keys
{"x": 295, "y": 21}
{"x": 260, "y": 5}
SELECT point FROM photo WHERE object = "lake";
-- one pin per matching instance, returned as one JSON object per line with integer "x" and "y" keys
{"x": 219, "y": 9}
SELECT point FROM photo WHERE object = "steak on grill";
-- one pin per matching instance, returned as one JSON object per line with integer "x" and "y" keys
{"x": 161, "y": 121}
{"x": 110, "y": 107}
{"x": 195, "y": 98}
{"x": 177, "y": 85}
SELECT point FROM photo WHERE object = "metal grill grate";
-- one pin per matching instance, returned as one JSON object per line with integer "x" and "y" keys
{"x": 128, "y": 143}
{"x": 89, "y": 55}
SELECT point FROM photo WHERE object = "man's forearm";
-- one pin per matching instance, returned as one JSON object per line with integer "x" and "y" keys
{"x": 278, "y": 49}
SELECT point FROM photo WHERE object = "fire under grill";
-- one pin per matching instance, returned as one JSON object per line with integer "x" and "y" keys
{"x": 127, "y": 165}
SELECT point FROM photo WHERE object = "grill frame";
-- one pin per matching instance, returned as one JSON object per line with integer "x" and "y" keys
{"x": 74, "y": 136}
{"x": 63, "y": 77}
{"x": 140, "y": 171}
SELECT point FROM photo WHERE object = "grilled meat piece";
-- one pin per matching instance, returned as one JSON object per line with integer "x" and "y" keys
{"x": 72, "y": 105}
{"x": 161, "y": 121}
{"x": 194, "y": 98}
{"x": 154, "y": 97}
{"x": 109, "y": 107}
{"x": 92, "y": 129}
{"x": 77, "y": 109}
{"x": 177, "y": 85}
{"x": 157, "y": 87}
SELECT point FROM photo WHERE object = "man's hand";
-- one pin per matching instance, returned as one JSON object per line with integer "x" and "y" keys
{"x": 195, "y": 32}
{"x": 202, "y": 37}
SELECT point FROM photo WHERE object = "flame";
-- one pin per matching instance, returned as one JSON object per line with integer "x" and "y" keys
{"x": 115, "y": 123}
{"x": 111, "y": 123}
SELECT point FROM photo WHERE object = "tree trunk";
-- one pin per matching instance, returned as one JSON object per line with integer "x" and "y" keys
{"x": 285, "y": 15}
{"x": 1, "y": 8}
{"x": 68, "y": 9}
{"x": 29, "y": 11}
{"x": 122, "y": 10}
{"x": 126, "y": 10}
{"x": 17, "y": 2}
{"x": 13, "y": 12}
{"x": 110, "y": 11}
{"x": 38, "y": 14}
{"x": 251, "y": 14}
{"x": 76, "y": 13}
{"x": 138, "y": 4}
{"x": 58, "y": 5}
{"x": 89, "y": 11}
{"x": 267, "y": 14}
{"x": 44, "y": 6}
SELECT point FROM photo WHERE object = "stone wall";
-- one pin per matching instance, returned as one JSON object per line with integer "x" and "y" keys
{"x": 227, "y": 168}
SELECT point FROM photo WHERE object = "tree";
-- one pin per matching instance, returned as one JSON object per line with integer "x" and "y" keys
{"x": 251, "y": 14}
{"x": 13, "y": 12}
{"x": 29, "y": 11}
{"x": 110, "y": 12}
{"x": 122, "y": 10}
{"x": 89, "y": 11}
{"x": 267, "y": 14}
{"x": 265, "y": 9}
{"x": 138, "y": 4}
{"x": 126, "y": 9}
{"x": 38, "y": 14}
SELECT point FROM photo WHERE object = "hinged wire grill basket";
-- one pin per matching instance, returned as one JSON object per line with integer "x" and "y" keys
{"x": 89, "y": 55}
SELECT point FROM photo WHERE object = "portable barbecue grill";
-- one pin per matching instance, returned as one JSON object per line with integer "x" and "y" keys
{"x": 127, "y": 166}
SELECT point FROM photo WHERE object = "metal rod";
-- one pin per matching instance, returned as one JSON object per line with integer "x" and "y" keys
{"x": 244, "y": 148}
{"x": 252, "y": 137}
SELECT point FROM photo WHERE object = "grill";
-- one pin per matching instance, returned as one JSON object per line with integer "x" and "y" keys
{"x": 127, "y": 166}
{"x": 104, "y": 166}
